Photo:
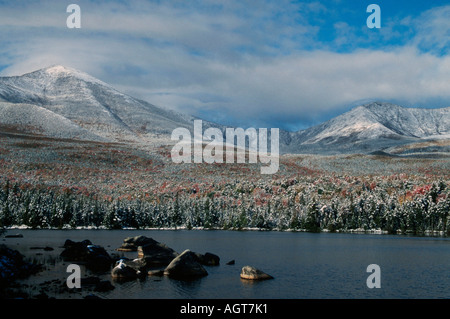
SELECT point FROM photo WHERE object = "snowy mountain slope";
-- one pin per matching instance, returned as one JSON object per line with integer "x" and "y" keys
{"x": 90, "y": 103}
{"x": 369, "y": 128}
{"x": 34, "y": 119}
{"x": 61, "y": 101}
{"x": 412, "y": 122}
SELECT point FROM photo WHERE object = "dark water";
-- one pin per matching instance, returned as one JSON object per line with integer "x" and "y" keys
{"x": 305, "y": 265}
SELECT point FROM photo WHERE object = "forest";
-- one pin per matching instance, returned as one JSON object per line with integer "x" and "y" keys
{"x": 389, "y": 204}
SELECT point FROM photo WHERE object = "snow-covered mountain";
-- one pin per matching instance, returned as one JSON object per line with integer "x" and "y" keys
{"x": 86, "y": 104}
{"x": 371, "y": 127}
{"x": 65, "y": 103}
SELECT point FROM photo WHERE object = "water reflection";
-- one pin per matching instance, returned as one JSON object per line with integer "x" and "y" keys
{"x": 304, "y": 265}
{"x": 186, "y": 289}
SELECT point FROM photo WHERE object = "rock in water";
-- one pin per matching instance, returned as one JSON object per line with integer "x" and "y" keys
{"x": 13, "y": 266}
{"x": 132, "y": 243}
{"x": 95, "y": 257}
{"x": 251, "y": 273}
{"x": 138, "y": 264}
{"x": 75, "y": 251}
{"x": 123, "y": 272}
{"x": 156, "y": 254}
{"x": 208, "y": 259}
{"x": 185, "y": 267}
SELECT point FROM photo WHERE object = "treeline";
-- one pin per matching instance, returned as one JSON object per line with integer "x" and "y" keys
{"x": 292, "y": 205}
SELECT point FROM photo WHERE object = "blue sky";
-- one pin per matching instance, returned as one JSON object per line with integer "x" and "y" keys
{"x": 286, "y": 64}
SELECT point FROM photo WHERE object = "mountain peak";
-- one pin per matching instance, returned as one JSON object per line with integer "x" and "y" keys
{"x": 60, "y": 71}
{"x": 88, "y": 104}
{"x": 380, "y": 105}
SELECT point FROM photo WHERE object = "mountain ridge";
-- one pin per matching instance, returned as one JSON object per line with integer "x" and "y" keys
{"x": 373, "y": 127}
{"x": 90, "y": 103}
{"x": 95, "y": 110}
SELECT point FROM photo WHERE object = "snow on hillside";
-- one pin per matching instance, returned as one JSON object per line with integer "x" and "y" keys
{"x": 358, "y": 122}
{"x": 371, "y": 127}
{"x": 84, "y": 102}
{"x": 415, "y": 122}
{"x": 91, "y": 104}
{"x": 38, "y": 120}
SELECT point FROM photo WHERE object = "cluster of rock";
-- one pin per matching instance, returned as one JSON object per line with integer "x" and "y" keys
{"x": 94, "y": 257}
{"x": 13, "y": 266}
{"x": 153, "y": 259}
{"x": 152, "y": 254}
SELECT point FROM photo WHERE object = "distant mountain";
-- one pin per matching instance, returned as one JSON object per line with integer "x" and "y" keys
{"x": 370, "y": 128}
{"x": 65, "y": 103}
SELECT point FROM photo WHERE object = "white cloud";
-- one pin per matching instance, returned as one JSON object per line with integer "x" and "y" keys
{"x": 223, "y": 61}
{"x": 310, "y": 86}
{"x": 433, "y": 30}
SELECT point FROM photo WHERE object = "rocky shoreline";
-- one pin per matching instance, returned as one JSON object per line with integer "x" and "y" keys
{"x": 152, "y": 259}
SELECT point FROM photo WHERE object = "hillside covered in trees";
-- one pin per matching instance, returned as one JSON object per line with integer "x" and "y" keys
{"x": 60, "y": 183}
{"x": 337, "y": 204}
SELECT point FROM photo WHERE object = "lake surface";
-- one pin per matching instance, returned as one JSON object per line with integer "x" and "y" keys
{"x": 304, "y": 265}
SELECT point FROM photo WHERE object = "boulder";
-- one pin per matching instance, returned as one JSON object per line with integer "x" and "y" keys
{"x": 95, "y": 257}
{"x": 75, "y": 251}
{"x": 13, "y": 266}
{"x": 123, "y": 272}
{"x": 231, "y": 262}
{"x": 156, "y": 254}
{"x": 69, "y": 243}
{"x": 127, "y": 247}
{"x": 251, "y": 273}
{"x": 185, "y": 267}
{"x": 208, "y": 259}
{"x": 132, "y": 243}
{"x": 98, "y": 258}
{"x": 138, "y": 264}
